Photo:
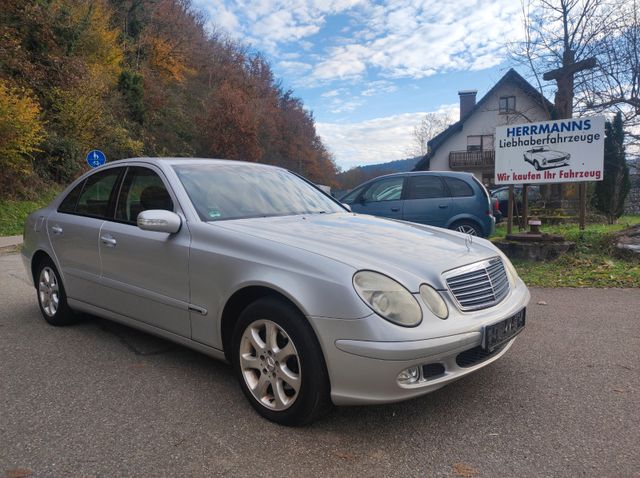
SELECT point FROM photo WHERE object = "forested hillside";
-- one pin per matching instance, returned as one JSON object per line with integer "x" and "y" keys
{"x": 137, "y": 77}
{"x": 355, "y": 176}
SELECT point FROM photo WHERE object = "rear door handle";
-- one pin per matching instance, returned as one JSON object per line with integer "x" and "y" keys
{"x": 395, "y": 209}
{"x": 56, "y": 229}
{"x": 108, "y": 240}
{"x": 443, "y": 206}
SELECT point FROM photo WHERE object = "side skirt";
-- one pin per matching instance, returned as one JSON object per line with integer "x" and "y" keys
{"x": 107, "y": 314}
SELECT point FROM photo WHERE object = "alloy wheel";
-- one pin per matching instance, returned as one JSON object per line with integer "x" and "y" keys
{"x": 467, "y": 229}
{"x": 48, "y": 291}
{"x": 270, "y": 365}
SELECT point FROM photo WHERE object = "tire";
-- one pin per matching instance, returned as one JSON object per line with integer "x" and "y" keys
{"x": 536, "y": 164}
{"x": 468, "y": 227}
{"x": 279, "y": 363}
{"x": 51, "y": 296}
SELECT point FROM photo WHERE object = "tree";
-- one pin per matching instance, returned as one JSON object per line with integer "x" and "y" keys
{"x": 611, "y": 192}
{"x": 615, "y": 85}
{"x": 431, "y": 125}
{"x": 21, "y": 133}
{"x": 562, "y": 33}
{"x": 139, "y": 77}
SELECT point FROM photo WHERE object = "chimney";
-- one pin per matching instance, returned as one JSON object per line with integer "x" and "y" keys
{"x": 467, "y": 101}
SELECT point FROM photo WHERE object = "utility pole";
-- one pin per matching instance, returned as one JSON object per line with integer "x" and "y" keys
{"x": 564, "y": 109}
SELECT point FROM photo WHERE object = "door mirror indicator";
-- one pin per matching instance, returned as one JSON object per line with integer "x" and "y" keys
{"x": 159, "y": 220}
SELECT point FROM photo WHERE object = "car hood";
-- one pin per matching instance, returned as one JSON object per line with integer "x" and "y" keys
{"x": 409, "y": 252}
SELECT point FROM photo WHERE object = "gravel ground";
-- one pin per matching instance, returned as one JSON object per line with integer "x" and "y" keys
{"x": 100, "y": 399}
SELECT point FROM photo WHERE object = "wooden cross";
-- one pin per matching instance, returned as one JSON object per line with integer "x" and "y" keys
{"x": 563, "y": 103}
{"x": 564, "y": 79}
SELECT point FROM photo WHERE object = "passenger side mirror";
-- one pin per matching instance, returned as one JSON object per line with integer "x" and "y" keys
{"x": 346, "y": 206}
{"x": 159, "y": 220}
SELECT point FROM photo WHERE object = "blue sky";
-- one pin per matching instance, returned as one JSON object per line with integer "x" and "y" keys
{"x": 370, "y": 70}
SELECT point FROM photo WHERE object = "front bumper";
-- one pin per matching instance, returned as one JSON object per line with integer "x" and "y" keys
{"x": 365, "y": 356}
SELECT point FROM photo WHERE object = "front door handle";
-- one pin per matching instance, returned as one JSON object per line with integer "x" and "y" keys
{"x": 395, "y": 209}
{"x": 108, "y": 240}
{"x": 56, "y": 229}
{"x": 443, "y": 206}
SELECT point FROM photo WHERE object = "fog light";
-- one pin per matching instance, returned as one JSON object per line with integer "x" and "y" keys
{"x": 410, "y": 375}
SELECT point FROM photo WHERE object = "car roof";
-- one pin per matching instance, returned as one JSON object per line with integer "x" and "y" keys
{"x": 172, "y": 161}
{"x": 454, "y": 174}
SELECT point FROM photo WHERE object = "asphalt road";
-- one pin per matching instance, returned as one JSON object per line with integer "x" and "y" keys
{"x": 99, "y": 399}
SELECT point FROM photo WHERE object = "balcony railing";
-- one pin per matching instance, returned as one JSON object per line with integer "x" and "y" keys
{"x": 463, "y": 160}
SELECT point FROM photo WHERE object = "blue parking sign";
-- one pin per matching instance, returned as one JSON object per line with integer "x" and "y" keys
{"x": 96, "y": 158}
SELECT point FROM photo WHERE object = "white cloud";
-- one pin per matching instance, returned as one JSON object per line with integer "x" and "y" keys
{"x": 294, "y": 67}
{"x": 406, "y": 40}
{"x": 222, "y": 16}
{"x": 338, "y": 105}
{"x": 333, "y": 93}
{"x": 378, "y": 87}
{"x": 395, "y": 39}
{"x": 373, "y": 141}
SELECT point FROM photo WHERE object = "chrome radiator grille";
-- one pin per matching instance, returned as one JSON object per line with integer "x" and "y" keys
{"x": 480, "y": 285}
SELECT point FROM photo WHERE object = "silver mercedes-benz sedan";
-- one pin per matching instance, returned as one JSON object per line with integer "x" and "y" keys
{"x": 252, "y": 264}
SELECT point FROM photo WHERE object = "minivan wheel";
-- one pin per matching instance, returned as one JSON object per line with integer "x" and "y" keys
{"x": 279, "y": 363}
{"x": 51, "y": 295}
{"x": 468, "y": 227}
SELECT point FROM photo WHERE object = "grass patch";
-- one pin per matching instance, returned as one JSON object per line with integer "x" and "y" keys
{"x": 580, "y": 270}
{"x": 14, "y": 213}
{"x": 594, "y": 263}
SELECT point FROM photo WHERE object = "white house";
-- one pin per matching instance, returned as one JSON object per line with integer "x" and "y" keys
{"x": 467, "y": 145}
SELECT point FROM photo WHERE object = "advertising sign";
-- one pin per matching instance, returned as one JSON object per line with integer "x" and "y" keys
{"x": 568, "y": 150}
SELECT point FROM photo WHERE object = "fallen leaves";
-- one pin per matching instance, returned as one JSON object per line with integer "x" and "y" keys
{"x": 463, "y": 470}
{"x": 19, "y": 473}
{"x": 344, "y": 456}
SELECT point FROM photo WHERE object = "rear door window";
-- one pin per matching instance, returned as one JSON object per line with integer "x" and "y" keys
{"x": 426, "y": 187}
{"x": 458, "y": 187}
{"x": 68, "y": 204}
{"x": 502, "y": 195}
{"x": 98, "y": 195}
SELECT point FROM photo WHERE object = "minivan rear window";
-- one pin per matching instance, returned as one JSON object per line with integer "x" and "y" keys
{"x": 458, "y": 187}
{"x": 425, "y": 187}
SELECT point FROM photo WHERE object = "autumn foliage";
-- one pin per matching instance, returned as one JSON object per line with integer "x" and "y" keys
{"x": 133, "y": 78}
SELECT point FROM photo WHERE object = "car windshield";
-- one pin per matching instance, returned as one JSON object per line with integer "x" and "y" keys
{"x": 237, "y": 191}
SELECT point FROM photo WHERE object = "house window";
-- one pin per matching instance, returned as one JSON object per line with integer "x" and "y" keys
{"x": 507, "y": 104}
{"x": 479, "y": 142}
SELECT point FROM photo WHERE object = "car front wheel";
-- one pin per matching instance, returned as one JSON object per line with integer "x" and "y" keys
{"x": 279, "y": 363}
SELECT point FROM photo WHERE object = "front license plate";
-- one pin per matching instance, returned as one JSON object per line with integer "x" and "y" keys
{"x": 497, "y": 334}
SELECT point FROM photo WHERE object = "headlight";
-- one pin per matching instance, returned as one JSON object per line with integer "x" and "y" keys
{"x": 387, "y": 298}
{"x": 511, "y": 271}
{"x": 434, "y": 301}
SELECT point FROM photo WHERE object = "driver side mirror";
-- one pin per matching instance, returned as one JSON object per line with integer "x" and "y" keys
{"x": 346, "y": 206}
{"x": 159, "y": 220}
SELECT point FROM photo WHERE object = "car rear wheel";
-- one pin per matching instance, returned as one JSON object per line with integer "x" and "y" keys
{"x": 279, "y": 363}
{"x": 468, "y": 227}
{"x": 51, "y": 295}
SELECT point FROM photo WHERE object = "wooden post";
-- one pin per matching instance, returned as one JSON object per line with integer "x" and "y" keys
{"x": 563, "y": 103}
{"x": 525, "y": 206}
{"x": 510, "y": 210}
{"x": 582, "y": 189}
